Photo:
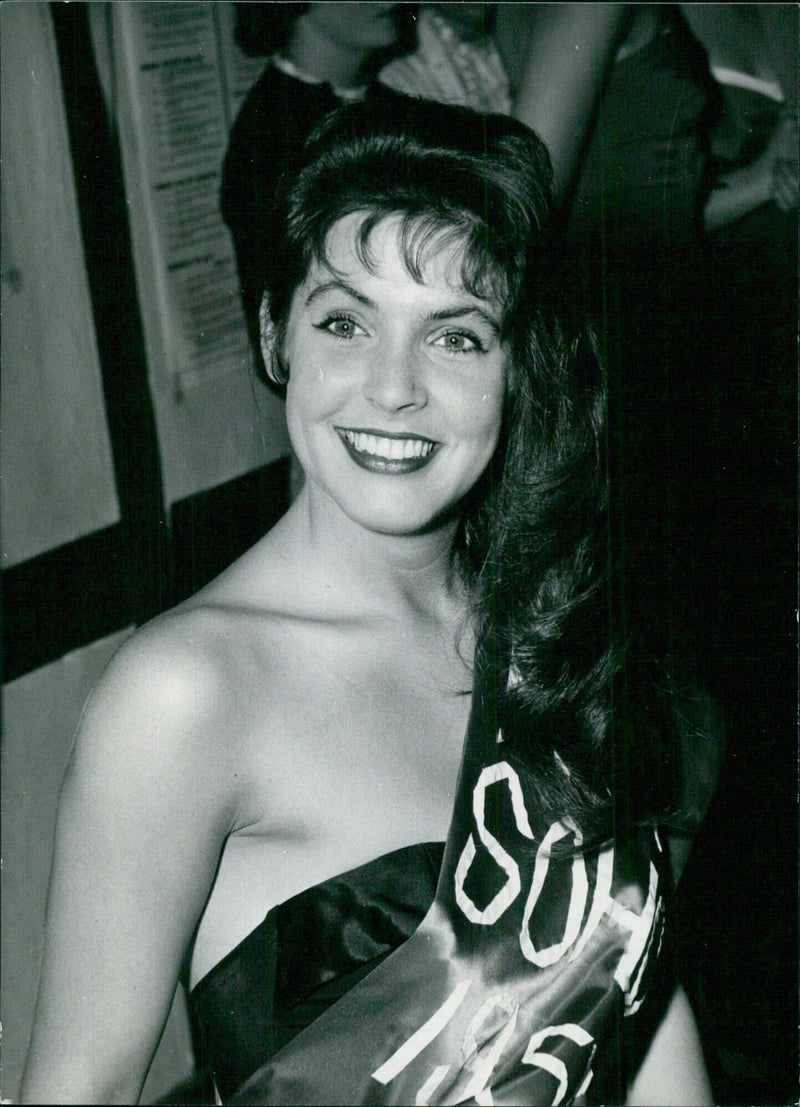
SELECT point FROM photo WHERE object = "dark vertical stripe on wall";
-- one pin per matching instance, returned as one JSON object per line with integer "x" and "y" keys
{"x": 69, "y": 597}
{"x": 83, "y": 590}
{"x": 211, "y": 529}
{"x": 142, "y": 574}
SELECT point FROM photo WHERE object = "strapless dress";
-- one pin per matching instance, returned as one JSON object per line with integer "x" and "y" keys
{"x": 496, "y": 968}
{"x": 306, "y": 954}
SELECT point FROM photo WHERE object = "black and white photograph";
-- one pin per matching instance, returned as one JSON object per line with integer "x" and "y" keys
{"x": 399, "y": 545}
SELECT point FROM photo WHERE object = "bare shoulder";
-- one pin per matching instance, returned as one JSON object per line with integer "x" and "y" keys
{"x": 167, "y": 710}
{"x": 167, "y": 661}
{"x": 152, "y": 794}
{"x": 168, "y": 673}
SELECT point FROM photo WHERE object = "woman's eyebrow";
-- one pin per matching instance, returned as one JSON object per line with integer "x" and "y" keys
{"x": 458, "y": 311}
{"x": 338, "y": 286}
{"x": 454, "y": 311}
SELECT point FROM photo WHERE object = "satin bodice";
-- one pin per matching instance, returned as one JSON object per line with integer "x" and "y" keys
{"x": 502, "y": 962}
{"x": 306, "y": 954}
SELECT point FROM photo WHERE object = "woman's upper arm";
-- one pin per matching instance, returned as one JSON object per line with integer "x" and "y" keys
{"x": 673, "y": 1070}
{"x": 144, "y": 811}
{"x": 569, "y": 50}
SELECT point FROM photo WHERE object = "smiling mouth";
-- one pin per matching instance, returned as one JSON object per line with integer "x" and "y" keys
{"x": 387, "y": 453}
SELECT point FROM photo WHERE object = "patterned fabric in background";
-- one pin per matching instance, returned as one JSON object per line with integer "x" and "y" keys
{"x": 449, "y": 69}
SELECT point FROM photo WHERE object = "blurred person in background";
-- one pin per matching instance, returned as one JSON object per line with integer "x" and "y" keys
{"x": 320, "y": 55}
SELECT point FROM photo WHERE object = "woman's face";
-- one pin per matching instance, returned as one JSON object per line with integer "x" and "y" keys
{"x": 396, "y": 387}
{"x": 355, "y": 26}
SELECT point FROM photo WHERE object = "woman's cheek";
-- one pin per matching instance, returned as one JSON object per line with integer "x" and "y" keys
{"x": 485, "y": 408}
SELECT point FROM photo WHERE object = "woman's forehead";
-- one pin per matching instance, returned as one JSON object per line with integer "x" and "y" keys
{"x": 432, "y": 253}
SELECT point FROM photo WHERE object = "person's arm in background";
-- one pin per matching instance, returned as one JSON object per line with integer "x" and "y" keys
{"x": 560, "y": 73}
{"x": 760, "y": 39}
{"x": 760, "y": 43}
{"x": 771, "y": 178}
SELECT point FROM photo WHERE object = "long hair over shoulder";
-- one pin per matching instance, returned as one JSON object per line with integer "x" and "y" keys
{"x": 594, "y": 722}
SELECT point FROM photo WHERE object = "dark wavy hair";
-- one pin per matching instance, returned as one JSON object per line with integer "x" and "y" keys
{"x": 263, "y": 29}
{"x": 597, "y": 729}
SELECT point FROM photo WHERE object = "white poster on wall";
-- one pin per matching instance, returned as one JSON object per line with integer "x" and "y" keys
{"x": 174, "y": 79}
{"x": 185, "y": 80}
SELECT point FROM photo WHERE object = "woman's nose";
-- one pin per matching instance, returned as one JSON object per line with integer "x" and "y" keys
{"x": 394, "y": 378}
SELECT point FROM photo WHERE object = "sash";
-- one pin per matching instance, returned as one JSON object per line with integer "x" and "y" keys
{"x": 515, "y": 979}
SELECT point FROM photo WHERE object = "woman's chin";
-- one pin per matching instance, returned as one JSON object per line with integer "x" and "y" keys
{"x": 398, "y": 516}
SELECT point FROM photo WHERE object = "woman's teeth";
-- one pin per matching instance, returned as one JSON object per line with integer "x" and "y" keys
{"x": 393, "y": 449}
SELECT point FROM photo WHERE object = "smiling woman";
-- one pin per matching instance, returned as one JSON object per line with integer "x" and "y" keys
{"x": 364, "y": 786}
{"x": 402, "y": 376}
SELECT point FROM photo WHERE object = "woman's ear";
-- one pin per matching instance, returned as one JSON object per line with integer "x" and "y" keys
{"x": 269, "y": 343}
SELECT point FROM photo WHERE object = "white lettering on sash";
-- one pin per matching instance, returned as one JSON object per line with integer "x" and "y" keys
{"x": 642, "y": 930}
{"x": 423, "y": 1096}
{"x": 638, "y": 948}
{"x": 633, "y": 962}
{"x": 600, "y": 900}
{"x": 484, "y": 1066}
{"x": 511, "y": 889}
{"x": 554, "y": 1065}
{"x": 631, "y": 968}
{"x": 414, "y": 1045}
{"x": 579, "y": 890}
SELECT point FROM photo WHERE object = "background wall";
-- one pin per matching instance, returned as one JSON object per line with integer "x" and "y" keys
{"x": 56, "y": 453}
{"x": 131, "y": 474}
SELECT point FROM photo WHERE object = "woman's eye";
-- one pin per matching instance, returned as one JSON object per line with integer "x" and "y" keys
{"x": 342, "y": 326}
{"x": 459, "y": 342}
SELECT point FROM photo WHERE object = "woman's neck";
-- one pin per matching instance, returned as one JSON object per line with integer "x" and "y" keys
{"x": 386, "y": 570}
{"x": 323, "y": 59}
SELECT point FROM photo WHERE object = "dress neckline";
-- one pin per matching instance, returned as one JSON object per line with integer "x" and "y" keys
{"x": 393, "y": 859}
{"x": 291, "y": 70}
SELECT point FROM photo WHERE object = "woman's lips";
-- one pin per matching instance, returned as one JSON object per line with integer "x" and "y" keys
{"x": 387, "y": 453}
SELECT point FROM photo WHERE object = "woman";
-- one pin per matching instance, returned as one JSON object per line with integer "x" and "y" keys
{"x": 320, "y": 55}
{"x": 263, "y": 778}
